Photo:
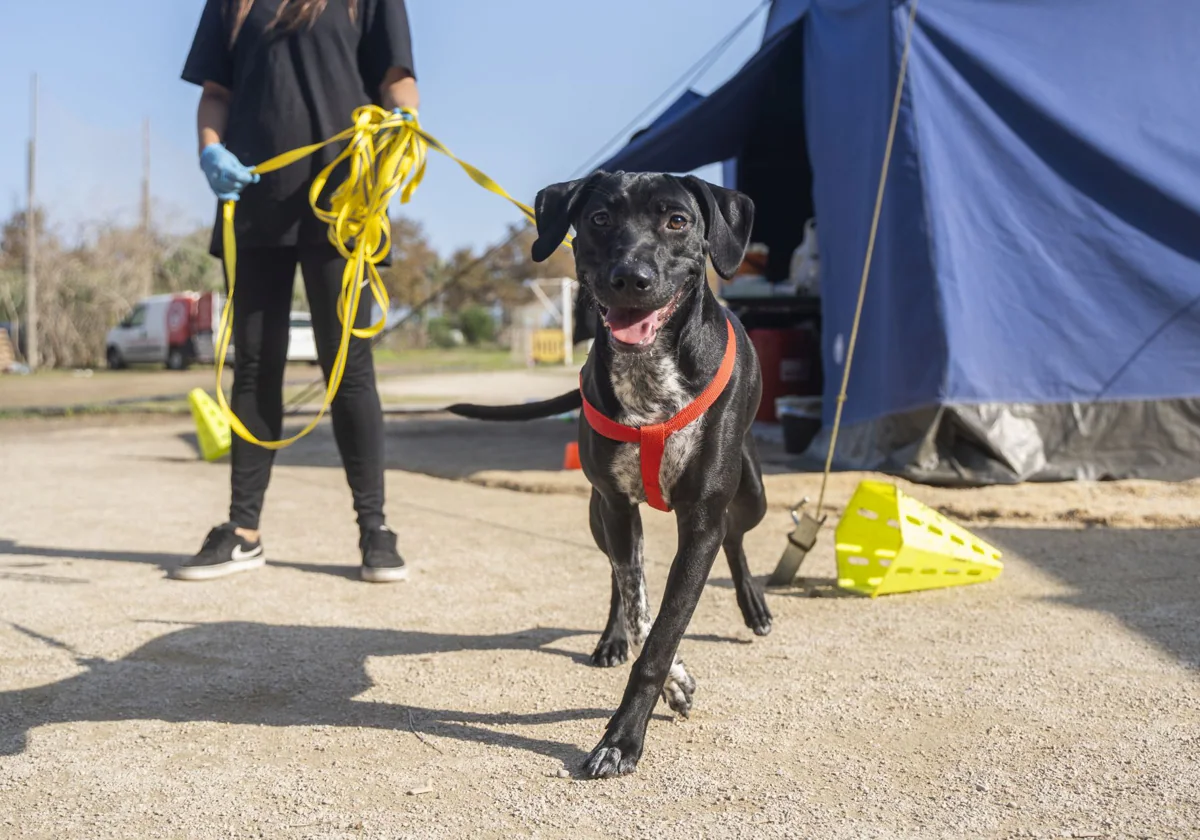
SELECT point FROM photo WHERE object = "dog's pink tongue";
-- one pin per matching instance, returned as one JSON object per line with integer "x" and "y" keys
{"x": 632, "y": 326}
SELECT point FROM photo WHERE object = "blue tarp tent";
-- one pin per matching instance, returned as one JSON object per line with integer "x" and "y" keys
{"x": 1034, "y": 301}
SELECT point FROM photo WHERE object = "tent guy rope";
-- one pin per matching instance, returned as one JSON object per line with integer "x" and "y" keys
{"x": 808, "y": 526}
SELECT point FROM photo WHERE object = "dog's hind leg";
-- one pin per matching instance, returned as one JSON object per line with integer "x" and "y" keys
{"x": 613, "y": 648}
{"x": 747, "y": 509}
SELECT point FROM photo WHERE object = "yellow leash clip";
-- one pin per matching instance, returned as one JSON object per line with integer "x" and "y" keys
{"x": 386, "y": 154}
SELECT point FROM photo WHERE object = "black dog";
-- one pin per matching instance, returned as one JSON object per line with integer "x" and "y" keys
{"x": 640, "y": 249}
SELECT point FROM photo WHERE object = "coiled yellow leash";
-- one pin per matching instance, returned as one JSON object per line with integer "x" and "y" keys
{"x": 386, "y": 154}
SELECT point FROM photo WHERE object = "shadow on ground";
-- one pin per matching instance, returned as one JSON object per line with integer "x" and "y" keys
{"x": 260, "y": 674}
{"x": 444, "y": 447}
{"x": 24, "y": 570}
{"x": 1147, "y": 579}
{"x": 267, "y": 675}
{"x": 453, "y": 448}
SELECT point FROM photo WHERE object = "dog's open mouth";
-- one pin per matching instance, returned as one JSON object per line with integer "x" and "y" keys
{"x": 637, "y": 327}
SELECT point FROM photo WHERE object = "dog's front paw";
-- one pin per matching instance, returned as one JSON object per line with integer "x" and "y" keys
{"x": 755, "y": 612}
{"x": 610, "y": 652}
{"x": 679, "y": 690}
{"x": 612, "y": 757}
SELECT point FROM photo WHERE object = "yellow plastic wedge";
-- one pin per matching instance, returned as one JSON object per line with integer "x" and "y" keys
{"x": 888, "y": 542}
{"x": 212, "y": 429}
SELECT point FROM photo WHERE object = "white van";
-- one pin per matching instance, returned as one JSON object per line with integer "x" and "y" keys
{"x": 177, "y": 330}
{"x": 159, "y": 329}
{"x": 302, "y": 343}
{"x": 173, "y": 330}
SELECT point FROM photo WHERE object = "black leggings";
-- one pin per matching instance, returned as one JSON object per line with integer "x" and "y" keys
{"x": 261, "y": 320}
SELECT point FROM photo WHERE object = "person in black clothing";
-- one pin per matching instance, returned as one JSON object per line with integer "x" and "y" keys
{"x": 278, "y": 74}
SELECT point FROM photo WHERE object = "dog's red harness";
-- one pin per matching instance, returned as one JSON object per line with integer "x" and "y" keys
{"x": 653, "y": 439}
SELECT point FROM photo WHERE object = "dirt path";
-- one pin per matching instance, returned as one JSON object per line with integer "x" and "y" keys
{"x": 1061, "y": 700}
{"x": 496, "y": 387}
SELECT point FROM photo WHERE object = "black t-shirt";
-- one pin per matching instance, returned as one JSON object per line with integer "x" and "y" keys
{"x": 291, "y": 89}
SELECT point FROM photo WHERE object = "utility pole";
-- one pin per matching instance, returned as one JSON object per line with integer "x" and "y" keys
{"x": 146, "y": 177}
{"x": 148, "y": 279}
{"x": 31, "y": 313}
{"x": 568, "y": 309}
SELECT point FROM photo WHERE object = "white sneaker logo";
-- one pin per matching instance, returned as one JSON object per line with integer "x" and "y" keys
{"x": 239, "y": 554}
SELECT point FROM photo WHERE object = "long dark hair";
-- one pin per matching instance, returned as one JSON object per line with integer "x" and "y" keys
{"x": 292, "y": 14}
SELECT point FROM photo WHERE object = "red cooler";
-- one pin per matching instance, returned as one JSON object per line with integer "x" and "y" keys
{"x": 790, "y": 360}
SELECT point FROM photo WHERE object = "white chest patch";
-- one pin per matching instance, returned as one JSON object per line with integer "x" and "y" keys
{"x": 650, "y": 390}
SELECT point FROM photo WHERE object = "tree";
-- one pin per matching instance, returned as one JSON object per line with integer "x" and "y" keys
{"x": 12, "y": 238}
{"x": 185, "y": 264}
{"x": 12, "y": 264}
{"x": 477, "y": 325}
{"x": 500, "y": 276}
{"x": 85, "y": 288}
{"x": 514, "y": 261}
{"x": 414, "y": 261}
{"x": 466, "y": 281}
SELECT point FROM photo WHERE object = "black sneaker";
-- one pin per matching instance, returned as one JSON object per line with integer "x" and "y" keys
{"x": 381, "y": 562}
{"x": 223, "y": 553}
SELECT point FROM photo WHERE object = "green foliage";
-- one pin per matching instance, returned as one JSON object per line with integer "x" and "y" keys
{"x": 186, "y": 265}
{"x": 86, "y": 287}
{"x": 477, "y": 325}
{"x": 414, "y": 263}
{"x": 441, "y": 333}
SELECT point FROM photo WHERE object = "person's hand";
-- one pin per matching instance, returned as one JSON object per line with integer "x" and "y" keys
{"x": 406, "y": 114}
{"x": 226, "y": 174}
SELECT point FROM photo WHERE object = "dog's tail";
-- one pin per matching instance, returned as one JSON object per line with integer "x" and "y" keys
{"x": 525, "y": 411}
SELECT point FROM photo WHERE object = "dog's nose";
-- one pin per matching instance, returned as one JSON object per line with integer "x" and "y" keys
{"x": 632, "y": 276}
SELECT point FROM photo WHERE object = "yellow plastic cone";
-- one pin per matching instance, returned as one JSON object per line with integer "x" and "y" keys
{"x": 888, "y": 542}
{"x": 212, "y": 429}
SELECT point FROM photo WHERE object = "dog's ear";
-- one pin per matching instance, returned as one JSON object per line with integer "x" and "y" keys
{"x": 555, "y": 209}
{"x": 728, "y": 221}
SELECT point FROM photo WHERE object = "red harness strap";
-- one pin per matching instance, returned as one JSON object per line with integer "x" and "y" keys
{"x": 653, "y": 439}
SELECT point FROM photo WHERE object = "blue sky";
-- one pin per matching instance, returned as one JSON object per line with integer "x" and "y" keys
{"x": 526, "y": 90}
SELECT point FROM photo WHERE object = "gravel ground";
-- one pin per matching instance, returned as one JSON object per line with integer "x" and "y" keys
{"x": 1060, "y": 700}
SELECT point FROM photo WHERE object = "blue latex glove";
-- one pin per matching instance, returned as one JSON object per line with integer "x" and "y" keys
{"x": 226, "y": 174}
{"x": 406, "y": 115}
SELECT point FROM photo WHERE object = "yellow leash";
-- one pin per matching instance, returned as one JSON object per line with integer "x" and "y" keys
{"x": 386, "y": 154}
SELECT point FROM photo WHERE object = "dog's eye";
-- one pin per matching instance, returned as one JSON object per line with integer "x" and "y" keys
{"x": 600, "y": 219}
{"x": 677, "y": 221}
